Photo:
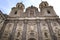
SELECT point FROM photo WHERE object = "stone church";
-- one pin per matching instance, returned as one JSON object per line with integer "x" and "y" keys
{"x": 30, "y": 24}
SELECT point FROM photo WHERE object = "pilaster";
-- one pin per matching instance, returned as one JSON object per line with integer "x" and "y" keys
{"x": 39, "y": 30}
{"x": 51, "y": 30}
{"x": 24, "y": 30}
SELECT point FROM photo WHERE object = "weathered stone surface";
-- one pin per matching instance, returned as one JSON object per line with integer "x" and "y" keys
{"x": 31, "y": 24}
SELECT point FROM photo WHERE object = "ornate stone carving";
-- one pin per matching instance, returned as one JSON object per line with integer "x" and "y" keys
{"x": 31, "y": 24}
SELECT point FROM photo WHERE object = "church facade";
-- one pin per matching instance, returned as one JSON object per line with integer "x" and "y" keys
{"x": 31, "y": 24}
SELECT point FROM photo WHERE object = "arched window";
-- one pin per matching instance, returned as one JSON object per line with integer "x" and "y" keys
{"x": 15, "y": 12}
{"x": 45, "y": 4}
{"x": 48, "y": 11}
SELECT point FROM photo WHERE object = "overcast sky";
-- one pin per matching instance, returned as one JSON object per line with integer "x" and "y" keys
{"x": 6, "y": 5}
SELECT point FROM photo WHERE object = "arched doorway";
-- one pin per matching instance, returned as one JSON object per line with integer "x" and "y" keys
{"x": 31, "y": 39}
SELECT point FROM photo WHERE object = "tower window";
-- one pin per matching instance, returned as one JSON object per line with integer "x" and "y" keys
{"x": 48, "y": 12}
{"x": 16, "y": 12}
{"x": 45, "y": 4}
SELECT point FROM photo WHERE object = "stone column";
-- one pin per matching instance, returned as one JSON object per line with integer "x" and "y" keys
{"x": 13, "y": 31}
{"x": 51, "y": 30}
{"x": 24, "y": 30}
{"x": 39, "y": 30}
{"x": 2, "y": 29}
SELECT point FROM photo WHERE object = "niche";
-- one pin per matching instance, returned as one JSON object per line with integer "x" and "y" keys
{"x": 46, "y": 34}
{"x": 18, "y": 34}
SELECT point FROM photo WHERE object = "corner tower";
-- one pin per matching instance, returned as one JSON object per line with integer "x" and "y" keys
{"x": 18, "y": 10}
{"x": 47, "y": 10}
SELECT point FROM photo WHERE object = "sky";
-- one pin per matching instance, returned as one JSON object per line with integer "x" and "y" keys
{"x": 6, "y": 5}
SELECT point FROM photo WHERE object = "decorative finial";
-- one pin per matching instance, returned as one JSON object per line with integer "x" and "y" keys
{"x": 31, "y": 5}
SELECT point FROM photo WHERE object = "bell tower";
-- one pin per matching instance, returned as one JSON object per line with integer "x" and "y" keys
{"x": 18, "y": 10}
{"x": 20, "y": 6}
{"x": 46, "y": 10}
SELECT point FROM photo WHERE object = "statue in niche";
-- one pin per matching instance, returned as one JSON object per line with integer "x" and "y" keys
{"x": 32, "y": 27}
